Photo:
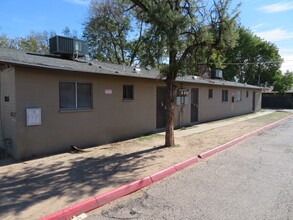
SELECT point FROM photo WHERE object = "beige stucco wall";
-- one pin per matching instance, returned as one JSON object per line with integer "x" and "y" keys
{"x": 213, "y": 109}
{"x": 111, "y": 118}
{"x": 8, "y": 110}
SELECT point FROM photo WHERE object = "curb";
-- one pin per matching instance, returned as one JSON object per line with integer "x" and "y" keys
{"x": 239, "y": 139}
{"x": 100, "y": 200}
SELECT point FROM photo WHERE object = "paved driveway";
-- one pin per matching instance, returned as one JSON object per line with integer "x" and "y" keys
{"x": 253, "y": 180}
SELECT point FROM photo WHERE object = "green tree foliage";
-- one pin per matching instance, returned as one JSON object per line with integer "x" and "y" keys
{"x": 37, "y": 42}
{"x": 283, "y": 82}
{"x": 7, "y": 42}
{"x": 67, "y": 32}
{"x": 222, "y": 24}
{"x": 253, "y": 60}
{"x": 112, "y": 32}
{"x": 182, "y": 28}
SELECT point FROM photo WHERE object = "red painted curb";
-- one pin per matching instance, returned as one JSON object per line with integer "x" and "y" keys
{"x": 182, "y": 165}
{"x": 123, "y": 191}
{"x": 82, "y": 207}
{"x": 237, "y": 140}
{"x": 97, "y": 201}
{"x": 162, "y": 174}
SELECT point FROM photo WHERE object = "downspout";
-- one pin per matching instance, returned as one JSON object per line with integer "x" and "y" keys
{"x": 180, "y": 106}
{"x": 181, "y": 114}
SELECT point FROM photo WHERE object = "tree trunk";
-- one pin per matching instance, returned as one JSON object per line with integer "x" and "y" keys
{"x": 169, "y": 137}
{"x": 170, "y": 81}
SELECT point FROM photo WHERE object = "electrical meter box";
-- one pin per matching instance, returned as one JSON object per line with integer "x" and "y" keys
{"x": 33, "y": 116}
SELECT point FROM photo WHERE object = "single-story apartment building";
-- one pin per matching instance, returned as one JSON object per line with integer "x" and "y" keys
{"x": 49, "y": 104}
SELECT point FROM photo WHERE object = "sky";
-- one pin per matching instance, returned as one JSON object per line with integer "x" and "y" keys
{"x": 269, "y": 19}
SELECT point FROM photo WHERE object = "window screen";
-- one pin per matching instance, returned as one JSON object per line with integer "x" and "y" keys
{"x": 210, "y": 93}
{"x": 84, "y": 95}
{"x": 75, "y": 95}
{"x": 128, "y": 92}
{"x": 224, "y": 95}
{"x": 67, "y": 95}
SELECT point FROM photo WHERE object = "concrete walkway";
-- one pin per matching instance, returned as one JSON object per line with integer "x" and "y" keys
{"x": 216, "y": 124}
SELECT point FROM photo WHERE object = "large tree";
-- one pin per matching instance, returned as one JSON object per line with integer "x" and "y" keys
{"x": 182, "y": 28}
{"x": 283, "y": 82}
{"x": 67, "y": 32}
{"x": 7, "y": 42}
{"x": 37, "y": 42}
{"x": 253, "y": 60}
{"x": 34, "y": 42}
{"x": 112, "y": 32}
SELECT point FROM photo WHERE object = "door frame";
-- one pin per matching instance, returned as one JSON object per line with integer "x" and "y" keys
{"x": 161, "y": 108}
{"x": 194, "y": 105}
{"x": 253, "y": 101}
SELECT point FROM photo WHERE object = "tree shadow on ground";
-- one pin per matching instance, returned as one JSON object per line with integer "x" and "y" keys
{"x": 30, "y": 186}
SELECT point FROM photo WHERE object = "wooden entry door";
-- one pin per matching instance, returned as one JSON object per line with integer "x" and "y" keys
{"x": 161, "y": 106}
{"x": 194, "y": 105}
{"x": 253, "y": 101}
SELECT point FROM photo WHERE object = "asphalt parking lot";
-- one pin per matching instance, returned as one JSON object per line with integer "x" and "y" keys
{"x": 252, "y": 180}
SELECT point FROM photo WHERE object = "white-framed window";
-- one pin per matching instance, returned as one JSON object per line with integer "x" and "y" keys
{"x": 75, "y": 95}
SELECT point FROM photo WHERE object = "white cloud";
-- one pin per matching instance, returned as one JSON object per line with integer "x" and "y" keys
{"x": 287, "y": 56}
{"x": 277, "y": 34}
{"x": 79, "y": 2}
{"x": 277, "y": 7}
{"x": 287, "y": 64}
{"x": 255, "y": 27}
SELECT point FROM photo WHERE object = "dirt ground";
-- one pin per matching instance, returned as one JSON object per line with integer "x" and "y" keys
{"x": 33, "y": 189}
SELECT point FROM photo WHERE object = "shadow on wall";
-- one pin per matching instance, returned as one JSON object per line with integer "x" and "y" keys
{"x": 30, "y": 186}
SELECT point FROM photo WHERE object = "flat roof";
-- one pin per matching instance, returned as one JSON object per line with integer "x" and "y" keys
{"x": 26, "y": 59}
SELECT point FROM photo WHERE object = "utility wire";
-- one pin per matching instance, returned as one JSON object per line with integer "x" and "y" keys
{"x": 247, "y": 63}
{"x": 250, "y": 63}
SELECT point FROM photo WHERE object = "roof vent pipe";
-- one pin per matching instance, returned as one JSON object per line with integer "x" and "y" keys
{"x": 136, "y": 70}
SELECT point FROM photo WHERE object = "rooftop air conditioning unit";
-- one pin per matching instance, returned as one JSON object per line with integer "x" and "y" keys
{"x": 68, "y": 47}
{"x": 217, "y": 74}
